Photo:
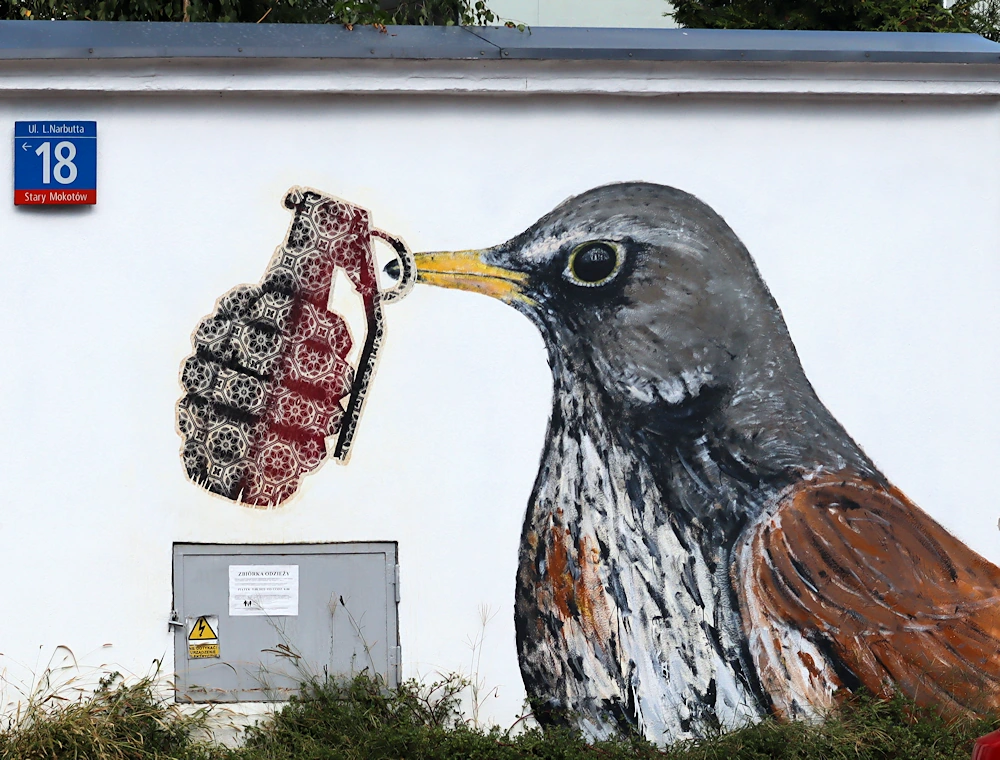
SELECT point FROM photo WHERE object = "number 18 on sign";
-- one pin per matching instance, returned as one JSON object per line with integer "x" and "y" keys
{"x": 55, "y": 163}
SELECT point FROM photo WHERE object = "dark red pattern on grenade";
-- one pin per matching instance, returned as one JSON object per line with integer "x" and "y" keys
{"x": 266, "y": 383}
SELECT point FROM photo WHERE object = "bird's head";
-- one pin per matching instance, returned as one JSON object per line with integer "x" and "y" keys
{"x": 642, "y": 285}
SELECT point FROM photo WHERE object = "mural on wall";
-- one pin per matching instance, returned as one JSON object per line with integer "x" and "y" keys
{"x": 270, "y": 378}
{"x": 705, "y": 543}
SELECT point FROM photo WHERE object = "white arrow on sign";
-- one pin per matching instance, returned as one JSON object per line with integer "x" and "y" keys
{"x": 25, "y": 146}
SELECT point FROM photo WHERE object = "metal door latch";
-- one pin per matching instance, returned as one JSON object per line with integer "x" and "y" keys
{"x": 174, "y": 621}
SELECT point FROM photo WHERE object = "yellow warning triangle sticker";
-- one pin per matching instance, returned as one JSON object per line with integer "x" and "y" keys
{"x": 202, "y": 631}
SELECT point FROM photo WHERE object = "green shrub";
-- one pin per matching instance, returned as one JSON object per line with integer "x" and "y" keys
{"x": 441, "y": 12}
{"x": 118, "y": 721}
{"x": 830, "y": 15}
{"x": 361, "y": 720}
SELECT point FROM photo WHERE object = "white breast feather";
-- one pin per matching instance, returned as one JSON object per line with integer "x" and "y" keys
{"x": 668, "y": 656}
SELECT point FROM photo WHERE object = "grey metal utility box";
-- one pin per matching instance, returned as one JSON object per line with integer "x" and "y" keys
{"x": 254, "y": 620}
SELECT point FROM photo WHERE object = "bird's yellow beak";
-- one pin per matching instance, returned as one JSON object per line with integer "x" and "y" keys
{"x": 467, "y": 270}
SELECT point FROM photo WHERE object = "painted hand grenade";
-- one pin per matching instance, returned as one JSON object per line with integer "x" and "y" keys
{"x": 269, "y": 380}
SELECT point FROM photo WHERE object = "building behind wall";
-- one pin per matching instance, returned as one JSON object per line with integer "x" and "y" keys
{"x": 592, "y": 13}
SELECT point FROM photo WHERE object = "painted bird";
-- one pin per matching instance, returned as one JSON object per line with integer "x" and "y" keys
{"x": 705, "y": 543}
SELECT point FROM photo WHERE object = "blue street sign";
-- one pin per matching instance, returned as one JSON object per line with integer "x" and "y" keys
{"x": 55, "y": 162}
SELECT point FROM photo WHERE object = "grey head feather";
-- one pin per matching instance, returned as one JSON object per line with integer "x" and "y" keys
{"x": 686, "y": 330}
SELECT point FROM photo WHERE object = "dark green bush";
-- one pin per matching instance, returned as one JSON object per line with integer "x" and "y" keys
{"x": 830, "y": 15}
{"x": 440, "y": 12}
{"x": 360, "y": 720}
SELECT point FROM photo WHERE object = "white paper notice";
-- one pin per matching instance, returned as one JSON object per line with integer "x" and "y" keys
{"x": 263, "y": 590}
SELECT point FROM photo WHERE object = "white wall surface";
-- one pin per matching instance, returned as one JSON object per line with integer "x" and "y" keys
{"x": 874, "y": 222}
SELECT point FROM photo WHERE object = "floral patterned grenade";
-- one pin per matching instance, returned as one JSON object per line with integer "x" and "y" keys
{"x": 269, "y": 380}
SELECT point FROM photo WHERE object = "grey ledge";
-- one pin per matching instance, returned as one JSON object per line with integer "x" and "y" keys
{"x": 38, "y": 40}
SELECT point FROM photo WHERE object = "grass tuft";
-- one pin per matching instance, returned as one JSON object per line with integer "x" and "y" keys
{"x": 360, "y": 720}
{"x": 118, "y": 721}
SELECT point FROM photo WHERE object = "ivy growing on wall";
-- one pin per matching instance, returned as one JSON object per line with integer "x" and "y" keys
{"x": 349, "y": 12}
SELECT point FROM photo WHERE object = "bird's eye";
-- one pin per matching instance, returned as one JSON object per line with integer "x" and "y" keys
{"x": 592, "y": 264}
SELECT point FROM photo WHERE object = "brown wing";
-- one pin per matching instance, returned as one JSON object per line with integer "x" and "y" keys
{"x": 850, "y": 584}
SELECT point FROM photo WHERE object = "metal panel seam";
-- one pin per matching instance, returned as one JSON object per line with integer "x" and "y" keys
{"x": 497, "y": 48}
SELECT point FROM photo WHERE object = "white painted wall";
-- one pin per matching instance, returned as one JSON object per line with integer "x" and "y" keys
{"x": 876, "y": 229}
